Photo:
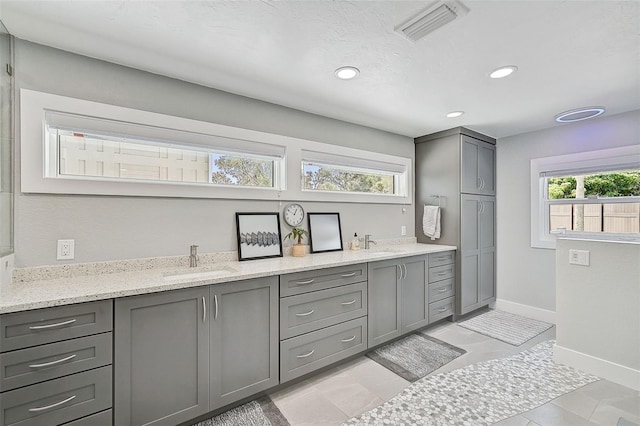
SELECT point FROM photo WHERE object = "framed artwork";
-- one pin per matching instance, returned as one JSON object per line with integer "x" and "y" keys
{"x": 258, "y": 235}
{"x": 324, "y": 232}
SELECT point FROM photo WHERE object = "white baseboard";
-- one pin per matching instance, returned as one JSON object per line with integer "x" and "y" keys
{"x": 617, "y": 373}
{"x": 526, "y": 311}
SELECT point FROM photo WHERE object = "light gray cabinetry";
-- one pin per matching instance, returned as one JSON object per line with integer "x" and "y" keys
{"x": 441, "y": 285}
{"x": 477, "y": 254}
{"x": 244, "y": 339}
{"x": 162, "y": 357}
{"x": 454, "y": 164}
{"x": 414, "y": 291}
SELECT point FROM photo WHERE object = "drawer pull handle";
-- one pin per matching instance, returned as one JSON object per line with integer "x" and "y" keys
{"x": 49, "y": 364}
{"x": 306, "y": 313}
{"x": 443, "y": 273}
{"x": 49, "y": 407}
{"x": 350, "y": 339}
{"x": 442, "y": 258}
{"x": 443, "y": 290}
{"x": 442, "y": 309}
{"x": 350, "y": 274}
{"x": 304, "y": 282}
{"x": 349, "y": 303}
{"x": 306, "y": 355}
{"x": 48, "y": 326}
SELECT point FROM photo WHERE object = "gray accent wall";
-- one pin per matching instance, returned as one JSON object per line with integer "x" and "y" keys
{"x": 111, "y": 228}
{"x": 527, "y": 275}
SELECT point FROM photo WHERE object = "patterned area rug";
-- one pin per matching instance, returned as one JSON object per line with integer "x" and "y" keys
{"x": 261, "y": 412}
{"x": 415, "y": 356}
{"x": 510, "y": 328}
{"x": 482, "y": 393}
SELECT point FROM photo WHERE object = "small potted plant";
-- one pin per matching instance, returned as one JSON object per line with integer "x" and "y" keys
{"x": 297, "y": 234}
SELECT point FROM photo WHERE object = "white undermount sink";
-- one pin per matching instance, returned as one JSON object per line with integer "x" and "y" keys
{"x": 200, "y": 273}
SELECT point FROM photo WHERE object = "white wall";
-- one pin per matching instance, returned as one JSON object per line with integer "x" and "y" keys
{"x": 108, "y": 228}
{"x": 525, "y": 275}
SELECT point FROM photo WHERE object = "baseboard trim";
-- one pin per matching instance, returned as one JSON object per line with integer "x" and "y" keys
{"x": 617, "y": 373}
{"x": 526, "y": 311}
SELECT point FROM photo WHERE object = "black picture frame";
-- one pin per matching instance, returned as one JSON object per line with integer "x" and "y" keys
{"x": 258, "y": 235}
{"x": 325, "y": 232}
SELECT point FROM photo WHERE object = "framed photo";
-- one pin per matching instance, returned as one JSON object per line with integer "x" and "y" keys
{"x": 325, "y": 233}
{"x": 258, "y": 235}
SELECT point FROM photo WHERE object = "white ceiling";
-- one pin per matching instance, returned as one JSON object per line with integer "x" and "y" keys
{"x": 569, "y": 53}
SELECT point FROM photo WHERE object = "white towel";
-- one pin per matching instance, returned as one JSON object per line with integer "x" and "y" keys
{"x": 431, "y": 222}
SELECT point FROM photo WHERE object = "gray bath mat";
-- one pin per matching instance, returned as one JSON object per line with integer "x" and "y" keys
{"x": 415, "y": 356}
{"x": 510, "y": 328}
{"x": 261, "y": 412}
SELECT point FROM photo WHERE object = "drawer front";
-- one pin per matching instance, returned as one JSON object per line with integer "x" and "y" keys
{"x": 31, "y": 328}
{"x": 319, "y": 279}
{"x": 441, "y": 290}
{"x": 443, "y": 258}
{"x": 304, "y": 354}
{"x": 440, "y": 273}
{"x": 57, "y": 401}
{"x": 104, "y": 418}
{"x": 312, "y": 311}
{"x": 33, "y": 365}
{"x": 441, "y": 309}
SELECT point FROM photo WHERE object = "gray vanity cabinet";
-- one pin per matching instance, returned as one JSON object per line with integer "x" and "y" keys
{"x": 162, "y": 357}
{"x": 477, "y": 252}
{"x": 244, "y": 339}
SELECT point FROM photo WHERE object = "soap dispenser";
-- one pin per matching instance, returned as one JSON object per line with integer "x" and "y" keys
{"x": 355, "y": 243}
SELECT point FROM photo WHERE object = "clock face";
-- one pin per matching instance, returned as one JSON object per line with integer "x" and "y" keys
{"x": 293, "y": 214}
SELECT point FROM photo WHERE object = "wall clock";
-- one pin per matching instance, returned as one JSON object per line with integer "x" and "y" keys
{"x": 293, "y": 214}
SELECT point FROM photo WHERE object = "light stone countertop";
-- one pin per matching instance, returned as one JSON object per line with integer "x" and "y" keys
{"x": 44, "y": 293}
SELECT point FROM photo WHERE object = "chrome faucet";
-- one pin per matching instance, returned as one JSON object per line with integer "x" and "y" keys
{"x": 368, "y": 241}
{"x": 193, "y": 256}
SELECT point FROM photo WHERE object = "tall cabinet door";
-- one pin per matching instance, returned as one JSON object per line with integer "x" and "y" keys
{"x": 469, "y": 254}
{"x": 414, "y": 293}
{"x": 244, "y": 339}
{"x": 161, "y": 357}
{"x": 487, "y": 250}
{"x": 384, "y": 301}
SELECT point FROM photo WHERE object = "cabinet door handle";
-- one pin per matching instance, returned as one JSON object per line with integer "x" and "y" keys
{"x": 350, "y": 274}
{"x": 398, "y": 270}
{"x": 348, "y": 303}
{"x": 215, "y": 303}
{"x": 350, "y": 339}
{"x": 305, "y": 314}
{"x": 404, "y": 266}
{"x": 48, "y": 407}
{"x": 443, "y": 290}
{"x": 306, "y": 355}
{"x": 442, "y": 309}
{"x": 52, "y": 363}
{"x": 204, "y": 309}
{"x": 481, "y": 183}
{"x": 48, "y": 326}
{"x": 304, "y": 282}
{"x": 478, "y": 182}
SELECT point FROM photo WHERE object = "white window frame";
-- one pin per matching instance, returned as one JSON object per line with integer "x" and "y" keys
{"x": 34, "y": 105}
{"x": 608, "y": 159}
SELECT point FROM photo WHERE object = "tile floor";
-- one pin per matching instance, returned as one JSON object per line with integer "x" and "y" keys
{"x": 332, "y": 397}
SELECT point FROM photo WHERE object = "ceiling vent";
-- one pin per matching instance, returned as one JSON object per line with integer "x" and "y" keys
{"x": 431, "y": 19}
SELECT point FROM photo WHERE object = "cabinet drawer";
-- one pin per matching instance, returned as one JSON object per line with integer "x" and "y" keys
{"x": 443, "y": 258}
{"x": 312, "y": 311}
{"x": 441, "y": 290}
{"x": 304, "y": 354}
{"x": 440, "y": 273}
{"x": 441, "y": 309}
{"x": 31, "y": 328}
{"x": 57, "y": 401}
{"x": 33, "y": 365}
{"x": 319, "y": 279}
{"x": 104, "y": 418}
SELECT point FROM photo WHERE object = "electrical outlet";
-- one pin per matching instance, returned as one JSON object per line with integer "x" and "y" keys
{"x": 403, "y": 230}
{"x": 66, "y": 249}
{"x": 579, "y": 257}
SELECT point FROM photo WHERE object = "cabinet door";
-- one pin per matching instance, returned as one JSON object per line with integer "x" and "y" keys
{"x": 469, "y": 254}
{"x": 384, "y": 319}
{"x": 414, "y": 293}
{"x": 487, "y": 250}
{"x": 161, "y": 357}
{"x": 487, "y": 168}
{"x": 477, "y": 166}
{"x": 244, "y": 339}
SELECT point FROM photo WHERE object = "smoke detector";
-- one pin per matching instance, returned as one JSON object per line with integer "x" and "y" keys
{"x": 432, "y": 18}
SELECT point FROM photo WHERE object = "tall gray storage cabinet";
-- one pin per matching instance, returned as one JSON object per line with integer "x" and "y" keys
{"x": 456, "y": 169}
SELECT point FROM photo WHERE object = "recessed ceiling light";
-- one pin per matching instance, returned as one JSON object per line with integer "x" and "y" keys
{"x": 454, "y": 114}
{"x": 347, "y": 73}
{"x": 579, "y": 114}
{"x": 503, "y": 72}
